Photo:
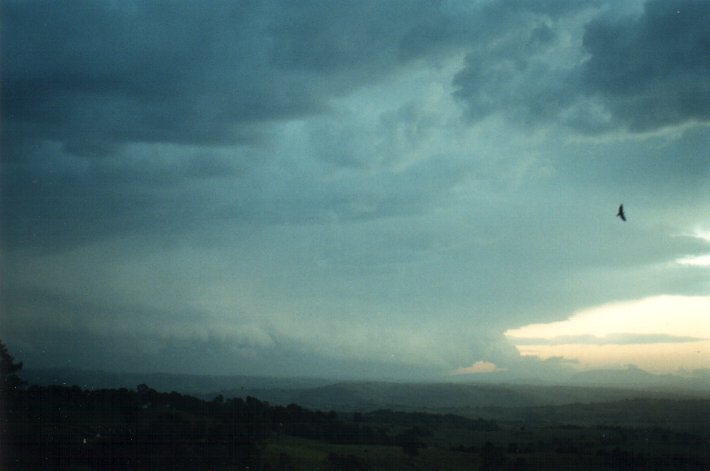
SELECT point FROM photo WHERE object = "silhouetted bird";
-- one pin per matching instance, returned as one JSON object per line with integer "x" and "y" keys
{"x": 621, "y": 214}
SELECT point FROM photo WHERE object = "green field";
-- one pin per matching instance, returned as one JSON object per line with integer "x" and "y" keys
{"x": 534, "y": 448}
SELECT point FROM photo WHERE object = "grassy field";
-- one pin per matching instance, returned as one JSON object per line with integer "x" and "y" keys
{"x": 513, "y": 445}
{"x": 315, "y": 455}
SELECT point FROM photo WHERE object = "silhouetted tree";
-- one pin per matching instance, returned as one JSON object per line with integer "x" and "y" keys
{"x": 9, "y": 383}
{"x": 8, "y": 370}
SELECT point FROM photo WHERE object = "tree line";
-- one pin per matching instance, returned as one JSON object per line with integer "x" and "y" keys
{"x": 65, "y": 426}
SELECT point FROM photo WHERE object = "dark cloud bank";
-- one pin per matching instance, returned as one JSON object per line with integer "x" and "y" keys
{"x": 95, "y": 75}
{"x": 81, "y": 80}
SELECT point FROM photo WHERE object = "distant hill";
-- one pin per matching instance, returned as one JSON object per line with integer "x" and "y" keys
{"x": 323, "y": 394}
{"x": 455, "y": 397}
{"x": 372, "y": 395}
{"x": 634, "y": 377}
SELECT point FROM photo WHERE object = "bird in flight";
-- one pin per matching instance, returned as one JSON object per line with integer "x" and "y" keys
{"x": 621, "y": 214}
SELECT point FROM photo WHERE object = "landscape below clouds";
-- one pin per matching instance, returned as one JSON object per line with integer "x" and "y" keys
{"x": 69, "y": 417}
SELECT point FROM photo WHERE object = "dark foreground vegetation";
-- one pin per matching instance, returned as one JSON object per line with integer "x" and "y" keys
{"x": 55, "y": 427}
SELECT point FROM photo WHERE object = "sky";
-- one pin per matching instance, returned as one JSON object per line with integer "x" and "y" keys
{"x": 356, "y": 189}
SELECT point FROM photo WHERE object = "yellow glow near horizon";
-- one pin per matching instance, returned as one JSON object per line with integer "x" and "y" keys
{"x": 655, "y": 358}
{"x": 696, "y": 260}
{"x": 680, "y": 324}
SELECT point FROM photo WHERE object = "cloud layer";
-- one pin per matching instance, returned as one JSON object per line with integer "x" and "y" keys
{"x": 352, "y": 189}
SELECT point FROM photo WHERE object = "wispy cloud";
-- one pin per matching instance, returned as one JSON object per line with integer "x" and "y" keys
{"x": 608, "y": 339}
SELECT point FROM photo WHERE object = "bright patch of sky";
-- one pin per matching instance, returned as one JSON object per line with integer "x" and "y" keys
{"x": 660, "y": 334}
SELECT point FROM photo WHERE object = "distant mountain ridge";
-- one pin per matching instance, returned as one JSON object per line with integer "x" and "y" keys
{"x": 635, "y": 377}
{"x": 438, "y": 397}
{"x": 323, "y": 394}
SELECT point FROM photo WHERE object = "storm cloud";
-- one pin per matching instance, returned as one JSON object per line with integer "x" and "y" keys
{"x": 93, "y": 76}
{"x": 351, "y": 188}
